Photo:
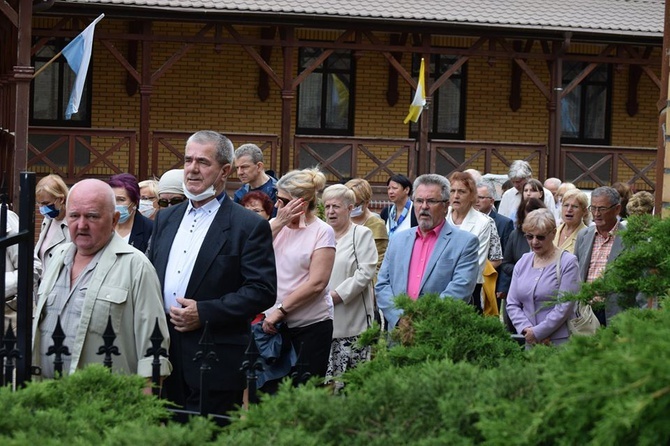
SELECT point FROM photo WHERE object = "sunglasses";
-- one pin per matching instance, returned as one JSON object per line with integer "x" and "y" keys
{"x": 164, "y": 202}
{"x": 530, "y": 237}
{"x": 283, "y": 200}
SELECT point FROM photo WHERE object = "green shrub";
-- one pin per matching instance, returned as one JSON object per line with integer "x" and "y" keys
{"x": 91, "y": 406}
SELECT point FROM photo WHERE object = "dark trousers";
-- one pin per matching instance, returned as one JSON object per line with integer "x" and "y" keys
{"x": 312, "y": 345}
{"x": 476, "y": 300}
{"x": 176, "y": 390}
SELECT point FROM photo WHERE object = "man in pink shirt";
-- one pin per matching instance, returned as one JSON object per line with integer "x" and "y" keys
{"x": 443, "y": 258}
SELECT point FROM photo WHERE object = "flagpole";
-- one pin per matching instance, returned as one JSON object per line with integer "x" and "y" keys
{"x": 53, "y": 59}
{"x": 44, "y": 67}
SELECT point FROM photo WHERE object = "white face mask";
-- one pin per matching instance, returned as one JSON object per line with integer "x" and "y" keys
{"x": 208, "y": 193}
{"x": 357, "y": 211}
{"x": 147, "y": 208}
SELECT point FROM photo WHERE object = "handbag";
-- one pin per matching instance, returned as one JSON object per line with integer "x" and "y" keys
{"x": 585, "y": 322}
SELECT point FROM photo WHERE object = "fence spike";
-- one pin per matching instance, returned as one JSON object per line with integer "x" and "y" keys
{"x": 58, "y": 349}
{"x": 109, "y": 348}
{"x": 156, "y": 350}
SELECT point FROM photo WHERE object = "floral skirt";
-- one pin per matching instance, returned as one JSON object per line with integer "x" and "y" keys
{"x": 345, "y": 354}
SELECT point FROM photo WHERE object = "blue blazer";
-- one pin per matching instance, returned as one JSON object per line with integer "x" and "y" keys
{"x": 451, "y": 271}
{"x": 505, "y": 226}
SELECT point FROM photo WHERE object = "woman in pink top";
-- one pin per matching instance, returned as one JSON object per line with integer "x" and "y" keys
{"x": 304, "y": 254}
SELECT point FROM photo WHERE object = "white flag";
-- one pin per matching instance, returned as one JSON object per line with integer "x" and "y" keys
{"x": 78, "y": 55}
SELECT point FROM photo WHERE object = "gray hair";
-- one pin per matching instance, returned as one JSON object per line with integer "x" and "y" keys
{"x": 612, "y": 195}
{"x": 540, "y": 219}
{"x": 339, "y": 192}
{"x": 489, "y": 187}
{"x": 252, "y": 151}
{"x": 223, "y": 145}
{"x": 434, "y": 179}
{"x": 520, "y": 169}
{"x": 553, "y": 181}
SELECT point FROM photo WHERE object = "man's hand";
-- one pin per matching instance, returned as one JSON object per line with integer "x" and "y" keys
{"x": 186, "y": 318}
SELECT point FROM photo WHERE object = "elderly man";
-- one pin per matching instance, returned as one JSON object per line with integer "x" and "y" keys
{"x": 519, "y": 173}
{"x": 442, "y": 259}
{"x": 215, "y": 262}
{"x": 96, "y": 276}
{"x": 600, "y": 244}
{"x": 251, "y": 172}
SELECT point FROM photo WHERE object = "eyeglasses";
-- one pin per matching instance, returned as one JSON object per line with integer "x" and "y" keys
{"x": 164, "y": 202}
{"x": 601, "y": 209}
{"x": 482, "y": 198}
{"x": 530, "y": 237}
{"x": 145, "y": 197}
{"x": 283, "y": 200}
{"x": 430, "y": 202}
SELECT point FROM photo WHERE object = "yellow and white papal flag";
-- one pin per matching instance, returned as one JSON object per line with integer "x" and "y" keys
{"x": 416, "y": 107}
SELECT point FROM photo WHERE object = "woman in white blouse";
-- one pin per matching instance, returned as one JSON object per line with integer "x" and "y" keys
{"x": 350, "y": 282}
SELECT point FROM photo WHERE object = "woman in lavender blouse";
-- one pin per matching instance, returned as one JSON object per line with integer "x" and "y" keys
{"x": 536, "y": 284}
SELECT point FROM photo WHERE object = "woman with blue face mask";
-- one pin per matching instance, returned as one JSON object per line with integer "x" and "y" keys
{"x": 132, "y": 226}
{"x": 50, "y": 196}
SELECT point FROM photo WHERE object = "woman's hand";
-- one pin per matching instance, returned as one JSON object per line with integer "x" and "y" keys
{"x": 286, "y": 213}
{"x": 529, "y": 335}
{"x": 269, "y": 322}
{"x": 336, "y": 298}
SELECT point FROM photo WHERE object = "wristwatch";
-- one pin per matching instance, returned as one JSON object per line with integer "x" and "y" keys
{"x": 280, "y": 307}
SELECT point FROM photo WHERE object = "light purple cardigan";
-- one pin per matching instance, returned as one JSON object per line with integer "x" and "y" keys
{"x": 533, "y": 289}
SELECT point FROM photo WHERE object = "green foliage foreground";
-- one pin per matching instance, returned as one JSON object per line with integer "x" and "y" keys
{"x": 460, "y": 381}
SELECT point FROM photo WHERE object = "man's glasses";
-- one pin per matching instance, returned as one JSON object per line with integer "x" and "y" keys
{"x": 482, "y": 198}
{"x": 600, "y": 209}
{"x": 430, "y": 202}
{"x": 540, "y": 238}
{"x": 164, "y": 202}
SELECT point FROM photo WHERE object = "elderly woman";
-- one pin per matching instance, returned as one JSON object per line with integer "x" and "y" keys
{"x": 133, "y": 227}
{"x": 350, "y": 282}
{"x": 539, "y": 278}
{"x": 641, "y": 203}
{"x": 51, "y": 195}
{"x": 259, "y": 202}
{"x": 575, "y": 217}
{"x": 171, "y": 188}
{"x": 304, "y": 249}
{"x": 463, "y": 215}
{"x": 400, "y": 215}
{"x": 148, "y": 198}
{"x": 361, "y": 215}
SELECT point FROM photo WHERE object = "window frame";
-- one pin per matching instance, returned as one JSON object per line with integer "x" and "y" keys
{"x": 64, "y": 91}
{"x": 583, "y": 104}
{"x": 326, "y": 70}
{"x": 462, "y": 75}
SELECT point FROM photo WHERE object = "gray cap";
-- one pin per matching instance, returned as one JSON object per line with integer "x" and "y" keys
{"x": 172, "y": 182}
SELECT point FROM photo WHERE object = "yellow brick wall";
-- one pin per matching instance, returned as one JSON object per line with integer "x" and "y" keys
{"x": 216, "y": 88}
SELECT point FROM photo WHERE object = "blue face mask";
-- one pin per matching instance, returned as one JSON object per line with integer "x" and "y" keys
{"x": 123, "y": 210}
{"x": 49, "y": 211}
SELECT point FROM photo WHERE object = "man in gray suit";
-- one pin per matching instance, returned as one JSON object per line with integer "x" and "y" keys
{"x": 600, "y": 244}
{"x": 434, "y": 257}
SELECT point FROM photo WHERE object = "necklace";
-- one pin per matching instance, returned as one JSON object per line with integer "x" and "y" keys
{"x": 547, "y": 257}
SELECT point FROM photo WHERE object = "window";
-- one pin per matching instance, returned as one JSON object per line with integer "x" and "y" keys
{"x": 325, "y": 105}
{"x": 448, "y": 106}
{"x": 585, "y": 111}
{"x": 50, "y": 91}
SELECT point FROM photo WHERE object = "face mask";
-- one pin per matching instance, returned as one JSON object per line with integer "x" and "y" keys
{"x": 357, "y": 211}
{"x": 208, "y": 193}
{"x": 123, "y": 210}
{"x": 147, "y": 208}
{"x": 49, "y": 211}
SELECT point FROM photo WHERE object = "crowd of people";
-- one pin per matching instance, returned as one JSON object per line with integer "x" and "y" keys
{"x": 308, "y": 266}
